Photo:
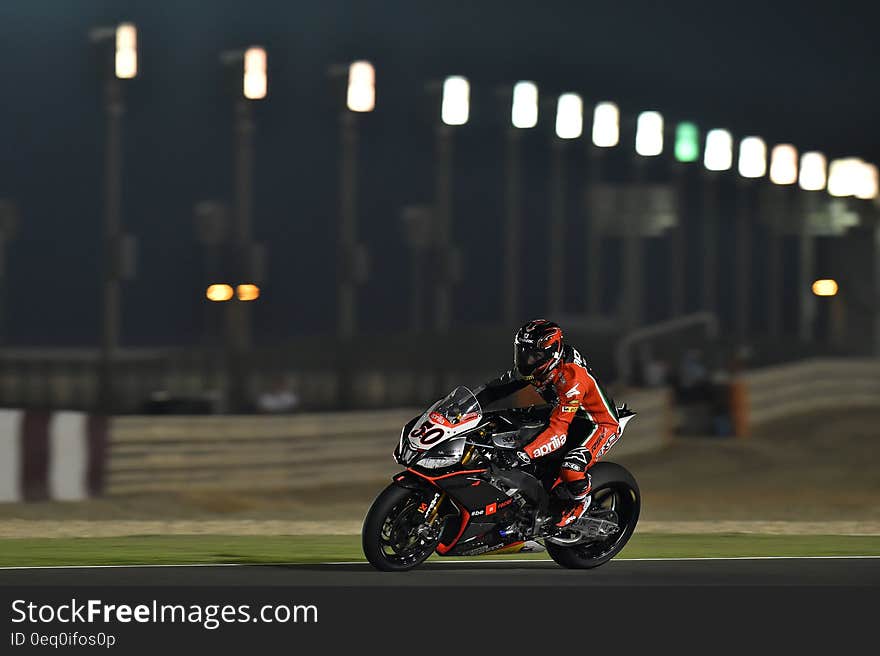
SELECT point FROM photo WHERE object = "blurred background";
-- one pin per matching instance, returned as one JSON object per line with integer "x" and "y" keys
{"x": 242, "y": 240}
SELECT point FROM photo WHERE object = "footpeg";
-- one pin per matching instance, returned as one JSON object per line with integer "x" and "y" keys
{"x": 592, "y": 527}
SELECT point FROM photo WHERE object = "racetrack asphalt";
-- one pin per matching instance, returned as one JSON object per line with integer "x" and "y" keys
{"x": 830, "y": 571}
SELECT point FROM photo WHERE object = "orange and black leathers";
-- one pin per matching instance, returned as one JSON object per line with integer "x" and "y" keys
{"x": 571, "y": 386}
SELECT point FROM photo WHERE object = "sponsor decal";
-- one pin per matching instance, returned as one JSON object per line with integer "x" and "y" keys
{"x": 477, "y": 513}
{"x": 492, "y": 508}
{"x": 574, "y": 391}
{"x": 570, "y": 408}
{"x": 504, "y": 504}
{"x": 483, "y": 549}
{"x": 432, "y": 504}
{"x": 611, "y": 441}
{"x": 555, "y": 442}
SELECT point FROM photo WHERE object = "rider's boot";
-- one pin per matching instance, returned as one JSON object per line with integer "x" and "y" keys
{"x": 575, "y": 510}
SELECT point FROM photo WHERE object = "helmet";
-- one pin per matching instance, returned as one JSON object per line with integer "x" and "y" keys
{"x": 537, "y": 350}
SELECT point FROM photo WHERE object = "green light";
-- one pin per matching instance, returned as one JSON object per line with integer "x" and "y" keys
{"x": 687, "y": 142}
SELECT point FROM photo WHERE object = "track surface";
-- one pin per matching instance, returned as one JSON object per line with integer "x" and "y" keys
{"x": 665, "y": 572}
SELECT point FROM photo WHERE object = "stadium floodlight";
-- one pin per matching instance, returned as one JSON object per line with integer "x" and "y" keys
{"x": 752, "y": 157}
{"x": 718, "y": 155}
{"x": 784, "y": 164}
{"x": 219, "y": 292}
{"x": 126, "y": 51}
{"x": 606, "y": 125}
{"x": 569, "y": 116}
{"x": 687, "y": 142}
{"x": 866, "y": 185}
{"x": 813, "y": 175}
{"x": 255, "y": 80}
{"x": 825, "y": 287}
{"x": 843, "y": 175}
{"x": 247, "y": 292}
{"x": 455, "y": 106}
{"x": 649, "y": 134}
{"x": 524, "y": 111}
{"x": 361, "y": 96}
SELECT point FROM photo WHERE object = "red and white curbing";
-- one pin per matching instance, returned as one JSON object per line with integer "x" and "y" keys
{"x": 51, "y": 455}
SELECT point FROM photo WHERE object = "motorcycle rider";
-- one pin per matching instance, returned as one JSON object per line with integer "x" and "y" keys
{"x": 563, "y": 379}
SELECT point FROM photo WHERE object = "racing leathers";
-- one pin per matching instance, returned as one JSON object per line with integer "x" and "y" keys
{"x": 570, "y": 387}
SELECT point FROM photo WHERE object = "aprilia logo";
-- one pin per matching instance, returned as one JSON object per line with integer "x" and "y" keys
{"x": 555, "y": 442}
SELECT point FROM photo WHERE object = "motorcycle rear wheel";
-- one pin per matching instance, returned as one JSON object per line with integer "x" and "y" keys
{"x": 615, "y": 494}
{"x": 390, "y": 537}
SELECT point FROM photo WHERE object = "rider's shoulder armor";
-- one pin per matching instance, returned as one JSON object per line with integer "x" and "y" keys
{"x": 570, "y": 355}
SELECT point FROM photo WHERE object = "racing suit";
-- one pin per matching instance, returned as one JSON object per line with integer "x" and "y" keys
{"x": 570, "y": 387}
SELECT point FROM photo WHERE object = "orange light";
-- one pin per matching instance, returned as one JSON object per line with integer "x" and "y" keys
{"x": 219, "y": 293}
{"x": 248, "y": 292}
{"x": 825, "y": 287}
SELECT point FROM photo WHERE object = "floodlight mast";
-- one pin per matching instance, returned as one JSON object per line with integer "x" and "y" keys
{"x": 686, "y": 151}
{"x": 247, "y": 75}
{"x": 751, "y": 164}
{"x": 605, "y": 134}
{"x": 118, "y": 61}
{"x": 454, "y": 112}
{"x": 360, "y": 99}
{"x": 717, "y": 157}
{"x": 569, "y": 125}
{"x": 524, "y": 111}
{"x": 813, "y": 180}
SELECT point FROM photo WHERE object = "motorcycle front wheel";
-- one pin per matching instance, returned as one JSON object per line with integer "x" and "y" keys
{"x": 615, "y": 498}
{"x": 393, "y": 536}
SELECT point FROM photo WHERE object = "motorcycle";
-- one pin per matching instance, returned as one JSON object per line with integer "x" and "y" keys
{"x": 466, "y": 492}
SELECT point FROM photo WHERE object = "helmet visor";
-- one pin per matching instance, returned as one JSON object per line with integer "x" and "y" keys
{"x": 528, "y": 358}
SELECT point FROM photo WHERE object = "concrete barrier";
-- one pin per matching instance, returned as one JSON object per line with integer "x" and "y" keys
{"x": 651, "y": 428}
{"x": 808, "y": 386}
{"x": 240, "y": 453}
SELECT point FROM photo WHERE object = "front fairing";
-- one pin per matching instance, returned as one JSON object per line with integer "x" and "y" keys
{"x": 436, "y": 439}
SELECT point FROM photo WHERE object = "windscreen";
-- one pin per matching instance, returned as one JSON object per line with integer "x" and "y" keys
{"x": 459, "y": 406}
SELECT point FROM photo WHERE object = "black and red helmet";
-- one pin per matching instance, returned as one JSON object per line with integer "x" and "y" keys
{"x": 537, "y": 350}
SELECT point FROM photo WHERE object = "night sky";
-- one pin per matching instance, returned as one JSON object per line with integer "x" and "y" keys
{"x": 801, "y": 72}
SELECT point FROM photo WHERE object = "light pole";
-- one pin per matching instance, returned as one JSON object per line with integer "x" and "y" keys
{"x": 648, "y": 144}
{"x": 118, "y": 60}
{"x": 417, "y": 223}
{"x": 752, "y": 164}
{"x": 717, "y": 157}
{"x": 247, "y": 72}
{"x": 523, "y": 116}
{"x": 812, "y": 179}
{"x": 8, "y": 224}
{"x": 783, "y": 174}
{"x": 605, "y": 134}
{"x": 686, "y": 151}
{"x": 853, "y": 183}
{"x": 569, "y": 125}
{"x": 360, "y": 99}
{"x": 454, "y": 111}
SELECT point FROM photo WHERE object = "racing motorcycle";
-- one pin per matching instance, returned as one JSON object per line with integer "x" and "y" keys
{"x": 465, "y": 492}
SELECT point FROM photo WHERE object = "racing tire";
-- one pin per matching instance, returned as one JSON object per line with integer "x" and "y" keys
{"x": 613, "y": 487}
{"x": 393, "y": 514}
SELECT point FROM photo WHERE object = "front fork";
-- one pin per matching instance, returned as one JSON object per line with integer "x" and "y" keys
{"x": 433, "y": 510}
